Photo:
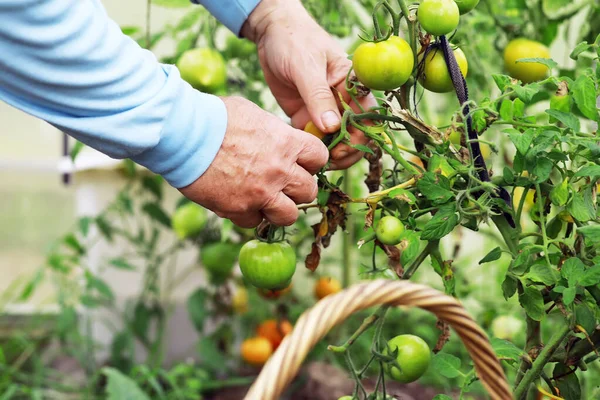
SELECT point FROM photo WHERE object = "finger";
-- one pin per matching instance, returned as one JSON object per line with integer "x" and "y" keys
{"x": 281, "y": 210}
{"x": 302, "y": 187}
{"x": 248, "y": 220}
{"x": 317, "y": 95}
{"x": 313, "y": 154}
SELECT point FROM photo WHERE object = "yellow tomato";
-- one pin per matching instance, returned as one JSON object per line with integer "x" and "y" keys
{"x": 256, "y": 351}
{"x": 313, "y": 130}
{"x": 526, "y": 72}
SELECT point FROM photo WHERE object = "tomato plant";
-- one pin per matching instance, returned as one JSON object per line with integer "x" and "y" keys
{"x": 438, "y": 17}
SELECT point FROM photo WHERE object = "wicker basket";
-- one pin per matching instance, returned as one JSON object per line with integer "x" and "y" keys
{"x": 314, "y": 324}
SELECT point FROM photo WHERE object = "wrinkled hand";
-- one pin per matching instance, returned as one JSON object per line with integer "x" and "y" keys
{"x": 301, "y": 63}
{"x": 263, "y": 169}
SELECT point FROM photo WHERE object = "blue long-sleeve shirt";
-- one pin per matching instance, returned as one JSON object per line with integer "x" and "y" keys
{"x": 68, "y": 63}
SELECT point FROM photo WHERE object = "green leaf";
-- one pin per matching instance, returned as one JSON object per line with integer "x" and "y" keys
{"x": 84, "y": 225}
{"x": 543, "y": 273}
{"x": 506, "y": 110}
{"x": 522, "y": 141}
{"x": 491, "y": 256}
{"x": 441, "y": 224}
{"x": 572, "y": 270}
{"x": 409, "y": 246}
{"x": 105, "y": 228}
{"x": 323, "y": 197}
{"x": 121, "y": 263}
{"x": 550, "y": 63}
{"x": 155, "y": 212}
{"x": 560, "y": 194}
{"x": 153, "y": 184}
{"x": 559, "y": 9}
{"x": 210, "y": 356}
{"x": 76, "y": 150}
{"x": 435, "y": 187}
{"x": 121, "y": 387}
{"x": 568, "y": 295}
{"x": 172, "y": 3}
{"x": 568, "y": 383}
{"x": 579, "y": 209}
{"x": 568, "y": 119}
{"x": 71, "y": 241}
{"x": 363, "y": 148}
{"x": 101, "y": 287}
{"x": 403, "y": 195}
{"x": 585, "y": 317}
{"x": 591, "y": 233}
{"x": 32, "y": 284}
{"x": 196, "y": 306}
{"x": 533, "y": 302}
{"x": 10, "y": 392}
{"x": 446, "y": 364}
{"x": 518, "y": 108}
{"x": 509, "y": 286}
{"x": 591, "y": 276}
{"x": 130, "y": 30}
{"x": 506, "y": 349}
{"x": 580, "y": 48}
{"x": 502, "y": 81}
{"x": 584, "y": 94}
{"x": 543, "y": 169}
{"x": 590, "y": 171}
{"x": 526, "y": 93}
{"x": 442, "y": 397}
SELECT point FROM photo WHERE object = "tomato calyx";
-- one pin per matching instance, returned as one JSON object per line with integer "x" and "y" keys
{"x": 269, "y": 233}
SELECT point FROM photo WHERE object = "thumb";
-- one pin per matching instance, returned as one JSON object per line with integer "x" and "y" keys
{"x": 319, "y": 99}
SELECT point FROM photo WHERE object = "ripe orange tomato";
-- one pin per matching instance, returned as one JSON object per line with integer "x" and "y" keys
{"x": 326, "y": 286}
{"x": 273, "y": 331}
{"x": 256, "y": 351}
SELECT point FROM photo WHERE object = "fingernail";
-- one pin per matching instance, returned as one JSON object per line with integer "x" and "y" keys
{"x": 331, "y": 120}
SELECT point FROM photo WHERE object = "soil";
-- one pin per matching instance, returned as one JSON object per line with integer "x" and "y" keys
{"x": 320, "y": 381}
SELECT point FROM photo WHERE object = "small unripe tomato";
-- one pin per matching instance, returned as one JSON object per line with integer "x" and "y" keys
{"x": 438, "y": 17}
{"x": 204, "y": 69}
{"x": 256, "y": 351}
{"x": 274, "y": 331}
{"x": 188, "y": 220}
{"x": 435, "y": 76}
{"x": 526, "y": 72}
{"x": 389, "y": 230}
{"x": 413, "y": 358}
{"x": 314, "y": 130}
{"x": 239, "y": 302}
{"x": 268, "y": 265}
{"x": 385, "y": 65}
{"x": 326, "y": 286}
{"x": 465, "y": 6}
{"x": 507, "y": 327}
{"x": 219, "y": 259}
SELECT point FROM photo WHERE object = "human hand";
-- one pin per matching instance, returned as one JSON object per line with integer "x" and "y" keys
{"x": 263, "y": 169}
{"x": 302, "y": 63}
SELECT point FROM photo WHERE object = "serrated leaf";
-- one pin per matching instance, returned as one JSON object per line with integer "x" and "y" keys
{"x": 585, "y": 317}
{"x": 444, "y": 221}
{"x": 196, "y": 306}
{"x": 543, "y": 273}
{"x": 560, "y": 194}
{"x": 526, "y": 93}
{"x": 569, "y": 295}
{"x": 580, "y": 48}
{"x": 446, "y": 364}
{"x": 121, "y": 387}
{"x": 533, "y": 302}
{"x": 572, "y": 270}
{"x": 518, "y": 108}
{"x": 542, "y": 169}
{"x": 509, "y": 286}
{"x": 493, "y": 255}
{"x": 506, "y": 110}
{"x": 568, "y": 119}
{"x": 435, "y": 187}
{"x": 403, "y": 195}
{"x": 506, "y": 349}
{"x": 502, "y": 81}
{"x": 155, "y": 212}
{"x": 409, "y": 246}
{"x": 584, "y": 94}
{"x": 522, "y": 141}
{"x": 590, "y": 171}
{"x": 567, "y": 382}
{"x": 591, "y": 276}
{"x": 591, "y": 233}
{"x": 550, "y": 63}
{"x": 579, "y": 209}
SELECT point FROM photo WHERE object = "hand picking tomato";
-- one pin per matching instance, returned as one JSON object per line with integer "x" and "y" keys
{"x": 389, "y": 230}
{"x": 465, "y": 6}
{"x": 526, "y": 72}
{"x": 256, "y": 351}
{"x": 435, "y": 76}
{"x": 219, "y": 259}
{"x": 204, "y": 69}
{"x": 326, "y": 286}
{"x": 413, "y": 358}
{"x": 268, "y": 265}
{"x": 274, "y": 331}
{"x": 385, "y": 65}
{"x": 188, "y": 220}
{"x": 438, "y": 17}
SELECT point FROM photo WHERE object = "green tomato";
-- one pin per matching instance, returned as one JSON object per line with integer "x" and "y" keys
{"x": 219, "y": 259}
{"x": 239, "y": 48}
{"x": 526, "y": 72}
{"x": 204, "y": 69}
{"x": 188, "y": 220}
{"x": 389, "y": 230}
{"x": 464, "y": 6}
{"x": 413, "y": 358}
{"x": 438, "y": 17}
{"x": 268, "y": 265}
{"x": 435, "y": 76}
{"x": 384, "y": 65}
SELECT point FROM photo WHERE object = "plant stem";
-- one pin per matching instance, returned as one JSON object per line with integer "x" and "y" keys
{"x": 412, "y": 268}
{"x": 348, "y": 238}
{"x": 540, "y": 362}
{"x": 220, "y": 384}
{"x": 411, "y": 28}
{"x": 367, "y": 323}
{"x": 533, "y": 340}
{"x": 508, "y": 233}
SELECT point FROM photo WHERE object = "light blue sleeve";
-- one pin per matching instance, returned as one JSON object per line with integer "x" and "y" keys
{"x": 231, "y": 13}
{"x": 67, "y": 62}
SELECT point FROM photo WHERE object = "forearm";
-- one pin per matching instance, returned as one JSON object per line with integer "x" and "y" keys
{"x": 231, "y": 13}
{"x": 66, "y": 62}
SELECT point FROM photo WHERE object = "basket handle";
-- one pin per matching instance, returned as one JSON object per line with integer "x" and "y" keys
{"x": 314, "y": 324}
